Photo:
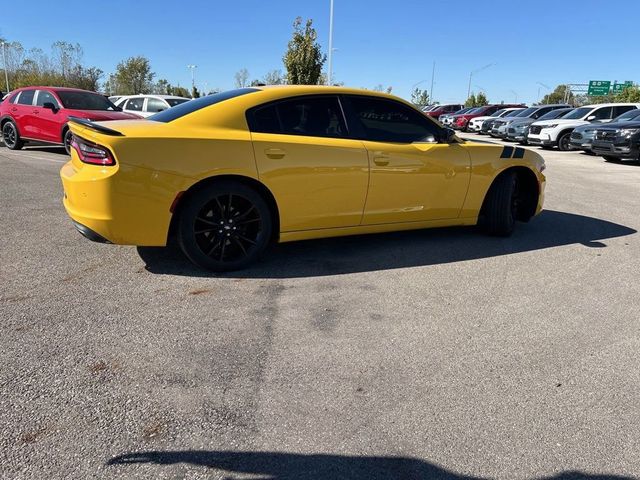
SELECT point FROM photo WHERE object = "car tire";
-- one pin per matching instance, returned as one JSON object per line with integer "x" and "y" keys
{"x": 11, "y": 137}
{"x": 609, "y": 158}
{"x": 564, "y": 142}
{"x": 224, "y": 226}
{"x": 66, "y": 141}
{"x": 501, "y": 205}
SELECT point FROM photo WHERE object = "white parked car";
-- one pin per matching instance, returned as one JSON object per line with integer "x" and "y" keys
{"x": 475, "y": 125}
{"x": 550, "y": 133}
{"x": 147, "y": 105}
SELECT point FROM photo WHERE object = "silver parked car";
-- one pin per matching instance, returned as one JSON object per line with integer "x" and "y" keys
{"x": 582, "y": 136}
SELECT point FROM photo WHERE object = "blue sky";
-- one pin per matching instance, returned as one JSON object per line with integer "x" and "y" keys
{"x": 379, "y": 42}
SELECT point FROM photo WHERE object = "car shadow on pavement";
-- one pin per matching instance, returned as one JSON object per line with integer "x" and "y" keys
{"x": 290, "y": 466}
{"x": 364, "y": 253}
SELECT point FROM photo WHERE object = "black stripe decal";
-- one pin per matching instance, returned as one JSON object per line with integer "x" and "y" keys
{"x": 519, "y": 153}
{"x": 507, "y": 152}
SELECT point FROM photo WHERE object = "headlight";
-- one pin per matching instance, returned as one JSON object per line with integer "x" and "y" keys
{"x": 627, "y": 132}
{"x": 553, "y": 125}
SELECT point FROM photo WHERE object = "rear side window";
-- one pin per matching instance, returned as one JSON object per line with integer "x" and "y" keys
{"x": 619, "y": 110}
{"x": 134, "y": 104}
{"x": 155, "y": 105}
{"x": 199, "y": 103}
{"x": 311, "y": 116}
{"x": 390, "y": 121}
{"x": 26, "y": 97}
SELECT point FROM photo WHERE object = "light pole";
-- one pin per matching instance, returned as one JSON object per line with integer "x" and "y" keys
{"x": 4, "y": 56}
{"x": 193, "y": 77}
{"x": 330, "y": 66}
{"x": 433, "y": 74}
{"x": 473, "y": 72}
{"x": 515, "y": 94}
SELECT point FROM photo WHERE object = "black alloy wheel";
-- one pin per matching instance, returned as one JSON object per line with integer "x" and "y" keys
{"x": 68, "y": 137}
{"x": 564, "y": 142}
{"x": 225, "y": 227}
{"x": 11, "y": 137}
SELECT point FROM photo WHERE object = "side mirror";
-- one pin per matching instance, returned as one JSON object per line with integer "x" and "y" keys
{"x": 50, "y": 106}
{"x": 590, "y": 118}
{"x": 448, "y": 134}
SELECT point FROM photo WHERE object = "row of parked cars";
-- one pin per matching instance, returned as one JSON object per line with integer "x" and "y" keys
{"x": 41, "y": 114}
{"x": 611, "y": 130}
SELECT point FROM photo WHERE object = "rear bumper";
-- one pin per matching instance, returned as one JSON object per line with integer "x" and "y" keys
{"x": 121, "y": 204}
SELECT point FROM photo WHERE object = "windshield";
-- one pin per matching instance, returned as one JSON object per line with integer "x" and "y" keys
{"x": 513, "y": 113}
{"x": 557, "y": 113}
{"x": 500, "y": 112}
{"x": 475, "y": 110}
{"x": 464, "y": 110}
{"x": 85, "y": 100}
{"x": 526, "y": 112}
{"x": 578, "y": 113}
{"x": 175, "y": 101}
{"x": 626, "y": 116}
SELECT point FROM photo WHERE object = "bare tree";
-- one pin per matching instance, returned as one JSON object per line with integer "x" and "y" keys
{"x": 242, "y": 78}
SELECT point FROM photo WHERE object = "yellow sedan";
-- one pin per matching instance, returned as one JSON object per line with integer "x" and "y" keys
{"x": 230, "y": 173}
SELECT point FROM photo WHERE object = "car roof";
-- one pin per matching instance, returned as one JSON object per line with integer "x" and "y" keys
{"x": 55, "y": 89}
{"x": 594, "y": 105}
{"x": 153, "y": 95}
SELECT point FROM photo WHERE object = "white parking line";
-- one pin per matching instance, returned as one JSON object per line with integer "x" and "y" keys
{"x": 24, "y": 155}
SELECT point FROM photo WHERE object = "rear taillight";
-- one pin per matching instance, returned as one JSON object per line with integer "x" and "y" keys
{"x": 92, "y": 153}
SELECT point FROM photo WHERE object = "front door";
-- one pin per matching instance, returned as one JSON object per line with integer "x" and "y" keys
{"x": 47, "y": 122}
{"x": 413, "y": 178}
{"x": 303, "y": 155}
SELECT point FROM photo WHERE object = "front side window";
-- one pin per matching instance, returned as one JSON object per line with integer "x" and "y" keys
{"x": 135, "y": 104}
{"x": 155, "y": 105}
{"x": 26, "y": 97}
{"x": 602, "y": 113}
{"x": 311, "y": 116}
{"x": 46, "y": 97}
{"x": 391, "y": 121}
{"x": 176, "y": 101}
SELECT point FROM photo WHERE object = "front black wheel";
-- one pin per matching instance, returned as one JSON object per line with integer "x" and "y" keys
{"x": 11, "y": 137}
{"x": 501, "y": 206}
{"x": 609, "y": 158}
{"x": 225, "y": 226}
{"x": 66, "y": 140}
{"x": 564, "y": 142}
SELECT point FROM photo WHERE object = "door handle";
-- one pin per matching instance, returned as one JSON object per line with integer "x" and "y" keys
{"x": 381, "y": 158}
{"x": 275, "y": 153}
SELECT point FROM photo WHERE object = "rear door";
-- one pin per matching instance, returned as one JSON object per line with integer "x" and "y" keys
{"x": 413, "y": 177}
{"x": 47, "y": 122}
{"x": 318, "y": 175}
{"x": 155, "y": 105}
{"x": 23, "y": 112}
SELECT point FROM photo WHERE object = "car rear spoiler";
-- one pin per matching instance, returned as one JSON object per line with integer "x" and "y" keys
{"x": 94, "y": 126}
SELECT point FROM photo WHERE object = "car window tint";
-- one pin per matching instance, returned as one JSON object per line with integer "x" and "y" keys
{"x": 135, "y": 104}
{"x": 602, "y": 113}
{"x": 155, "y": 105}
{"x": 311, "y": 116}
{"x": 620, "y": 109}
{"x": 390, "y": 121}
{"x": 26, "y": 97}
{"x": 46, "y": 97}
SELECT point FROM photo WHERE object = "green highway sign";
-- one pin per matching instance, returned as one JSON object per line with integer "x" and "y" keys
{"x": 619, "y": 87}
{"x": 598, "y": 88}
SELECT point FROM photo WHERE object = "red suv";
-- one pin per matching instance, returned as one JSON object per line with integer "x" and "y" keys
{"x": 41, "y": 113}
{"x": 442, "y": 109}
{"x": 460, "y": 122}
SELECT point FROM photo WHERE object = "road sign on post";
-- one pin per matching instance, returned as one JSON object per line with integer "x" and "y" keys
{"x": 620, "y": 87}
{"x": 599, "y": 88}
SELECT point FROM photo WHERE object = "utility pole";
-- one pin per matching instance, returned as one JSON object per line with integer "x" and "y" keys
{"x": 473, "y": 72}
{"x": 330, "y": 66}
{"x": 4, "y": 55}
{"x": 193, "y": 77}
{"x": 433, "y": 74}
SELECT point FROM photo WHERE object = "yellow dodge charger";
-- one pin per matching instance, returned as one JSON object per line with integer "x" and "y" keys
{"x": 228, "y": 174}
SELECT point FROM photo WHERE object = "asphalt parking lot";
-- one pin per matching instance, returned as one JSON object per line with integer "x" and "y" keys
{"x": 437, "y": 354}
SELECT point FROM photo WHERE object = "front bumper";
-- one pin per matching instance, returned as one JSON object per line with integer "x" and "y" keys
{"x": 619, "y": 150}
{"x": 583, "y": 144}
{"x": 541, "y": 139}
